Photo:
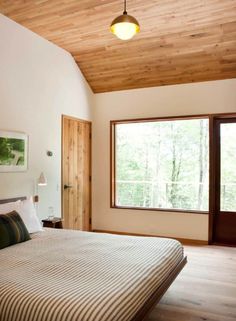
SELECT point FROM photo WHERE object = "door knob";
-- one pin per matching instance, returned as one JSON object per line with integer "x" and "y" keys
{"x": 67, "y": 186}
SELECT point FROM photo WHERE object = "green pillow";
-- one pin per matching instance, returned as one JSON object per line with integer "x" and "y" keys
{"x": 12, "y": 230}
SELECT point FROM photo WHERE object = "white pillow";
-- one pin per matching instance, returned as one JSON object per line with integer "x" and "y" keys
{"x": 8, "y": 207}
{"x": 27, "y": 212}
{"x": 29, "y": 216}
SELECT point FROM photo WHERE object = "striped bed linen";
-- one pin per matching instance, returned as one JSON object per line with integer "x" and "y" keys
{"x": 62, "y": 275}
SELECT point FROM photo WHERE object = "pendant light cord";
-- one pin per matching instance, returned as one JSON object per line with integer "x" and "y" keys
{"x": 125, "y": 12}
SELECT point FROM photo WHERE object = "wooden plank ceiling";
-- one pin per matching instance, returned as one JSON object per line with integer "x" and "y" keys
{"x": 181, "y": 41}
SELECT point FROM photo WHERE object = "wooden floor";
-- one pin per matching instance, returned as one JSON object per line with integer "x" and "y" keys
{"x": 205, "y": 290}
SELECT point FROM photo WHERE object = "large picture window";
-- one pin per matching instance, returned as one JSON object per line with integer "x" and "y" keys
{"x": 161, "y": 164}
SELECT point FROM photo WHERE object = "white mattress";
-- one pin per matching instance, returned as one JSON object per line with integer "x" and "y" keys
{"x": 63, "y": 275}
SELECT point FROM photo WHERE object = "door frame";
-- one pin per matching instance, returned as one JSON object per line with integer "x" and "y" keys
{"x": 214, "y": 163}
{"x": 63, "y": 116}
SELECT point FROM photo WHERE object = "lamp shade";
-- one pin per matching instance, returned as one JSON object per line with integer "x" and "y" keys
{"x": 42, "y": 181}
{"x": 125, "y": 26}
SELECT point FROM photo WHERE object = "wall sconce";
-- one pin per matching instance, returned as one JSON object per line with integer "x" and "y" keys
{"x": 42, "y": 181}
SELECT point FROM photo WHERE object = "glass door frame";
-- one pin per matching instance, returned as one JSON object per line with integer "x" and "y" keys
{"x": 219, "y": 221}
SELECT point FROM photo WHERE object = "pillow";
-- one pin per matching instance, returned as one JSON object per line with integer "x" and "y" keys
{"x": 27, "y": 212}
{"x": 12, "y": 230}
{"x": 8, "y": 207}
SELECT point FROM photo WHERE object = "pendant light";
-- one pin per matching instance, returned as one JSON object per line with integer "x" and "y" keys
{"x": 125, "y": 26}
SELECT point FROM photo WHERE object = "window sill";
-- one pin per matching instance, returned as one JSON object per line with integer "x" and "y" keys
{"x": 160, "y": 210}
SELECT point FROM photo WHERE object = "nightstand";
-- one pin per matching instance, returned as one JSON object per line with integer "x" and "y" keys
{"x": 55, "y": 222}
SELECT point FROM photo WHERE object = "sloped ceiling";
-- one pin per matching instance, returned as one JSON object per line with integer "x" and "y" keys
{"x": 181, "y": 41}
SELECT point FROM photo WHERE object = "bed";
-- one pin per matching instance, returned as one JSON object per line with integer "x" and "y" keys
{"x": 65, "y": 275}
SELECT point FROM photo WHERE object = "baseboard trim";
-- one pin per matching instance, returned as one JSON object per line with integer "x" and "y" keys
{"x": 181, "y": 240}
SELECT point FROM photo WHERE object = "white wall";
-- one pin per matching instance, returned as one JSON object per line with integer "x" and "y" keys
{"x": 38, "y": 82}
{"x": 198, "y": 98}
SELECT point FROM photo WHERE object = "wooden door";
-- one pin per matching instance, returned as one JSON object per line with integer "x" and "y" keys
{"x": 224, "y": 225}
{"x": 76, "y": 173}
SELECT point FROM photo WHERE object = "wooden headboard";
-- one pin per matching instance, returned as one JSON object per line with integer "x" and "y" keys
{"x": 9, "y": 200}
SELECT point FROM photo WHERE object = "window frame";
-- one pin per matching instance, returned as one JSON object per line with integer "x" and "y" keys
{"x": 210, "y": 117}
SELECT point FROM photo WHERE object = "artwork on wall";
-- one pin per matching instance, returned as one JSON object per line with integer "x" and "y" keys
{"x": 13, "y": 151}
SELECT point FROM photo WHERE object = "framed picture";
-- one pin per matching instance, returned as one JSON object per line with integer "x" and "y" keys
{"x": 13, "y": 151}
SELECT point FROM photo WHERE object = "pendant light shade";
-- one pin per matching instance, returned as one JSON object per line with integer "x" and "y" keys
{"x": 125, "y": 26}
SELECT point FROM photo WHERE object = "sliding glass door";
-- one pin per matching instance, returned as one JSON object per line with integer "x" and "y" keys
{"x": 225, "y": 194}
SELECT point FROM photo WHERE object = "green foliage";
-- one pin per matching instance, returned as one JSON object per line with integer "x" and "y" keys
{"x": 166, "y": 165}
{"x": 5, "y": 150}
{"x": 158, "y": 164}
{"x": 228, "y": 167}
{"x": 11, "y": 151}
{"x": 17, "y": 144}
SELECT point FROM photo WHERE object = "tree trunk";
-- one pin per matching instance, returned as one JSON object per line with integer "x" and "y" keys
{"x": 202, "y": 162}
{"x": 176, "y": 166}
{"x": 156, "y": 189}
{"x": 146, "y": 196}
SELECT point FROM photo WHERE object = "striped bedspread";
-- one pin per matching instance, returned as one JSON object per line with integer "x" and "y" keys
{"x": 63, "y": 275}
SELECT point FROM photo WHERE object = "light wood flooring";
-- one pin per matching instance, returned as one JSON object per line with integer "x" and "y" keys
{"x": 205, "y": 290}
